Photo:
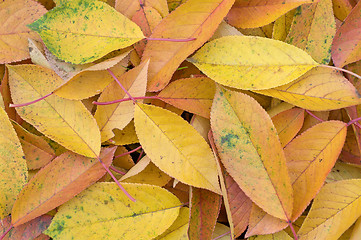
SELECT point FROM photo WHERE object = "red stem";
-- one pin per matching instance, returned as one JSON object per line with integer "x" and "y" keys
{"x": 125, "y": 99}
{"x": 116, "y": 170}
{"x": 354, "y": 121}
{"x": 342, "y": 70}
{"x": 140, "y": 155}
{"x": 6, "y": 232}
{"x": 125, "y": 90}
{"x": 171, "y": 40}
{"x": 126, "y": 153}
{"x": 293, "y": 230}
{"x": 29, "y": 103}
{"x": 220, "y": 236}
{"x": 116, "y": 181}
{"x": 314, "y": 116}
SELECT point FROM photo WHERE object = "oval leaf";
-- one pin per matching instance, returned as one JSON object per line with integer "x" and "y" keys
{"x": 176, "y": 147}
{"x": 269, "y": 63}
{"x": 335, "y": 208}
{"x": 320, "y": 89}
{"x": 81, "y": 31}
{"x": 79, "y": 131}
{"x": 251, "y": 152}
{"x": 12, "y": 165}
{"x": 104, "y": 212}
{"x": 58, "y": 182}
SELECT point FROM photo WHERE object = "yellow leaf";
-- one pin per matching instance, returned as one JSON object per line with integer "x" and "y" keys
{"x": 104, "y": 212}
{"x": 179, "y": 229}
{"x": 310, "y": 157}
{"x": 12, "y": 165}
{"x": 279, "y": 236}
{"x": 14, "y": 15}
{"x": 335, "y": 208}
{"x": 146, "y": 172}
{"x": 125, "y": 136}
{"x": 250, "y": 150}
{"x": 79, "y": 131}
{"x": 269, "y": 63}
{"x": 219, "y": 230}
{"x": 81, "y": 31}
{"x": 320, "y": 89}
{"x": 257, "y": 13}
{"x": 118, "y": 115}
{"x": 313, "y": 29}
{"x": 176, "y": 147}
{"x": 343, "y": 171}
{"x": 194, "y": 19}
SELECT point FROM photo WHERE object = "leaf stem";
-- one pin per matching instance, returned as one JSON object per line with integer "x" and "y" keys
{"x": 342, "y": 70}
{"x": 29, "y": 103}
{"x": 6, "y": 232}
{"x": 140, "y": 155}
{"x": 116, "y": 170}
{"x": 126, "y": 153}
{"x": 293, "y": 230}
{"x": 125, "y": 90}
{"x": 116, "y": 181}
{"x": 314, "y": 116}
{"x": 125, "y": 99}
{"x": 220, "y": 236}
{"x": 354, "y": 121}
{"x": 171, "y": 39}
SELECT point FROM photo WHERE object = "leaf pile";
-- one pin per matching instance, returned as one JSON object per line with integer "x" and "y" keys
{"x": 156, "y": 119}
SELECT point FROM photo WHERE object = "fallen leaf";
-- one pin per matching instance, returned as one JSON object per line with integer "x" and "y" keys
{"x": 74, "y": 34}
{"x": 58, "y": 182}
{"x": 176, "y": 147}
{"x": 178, "y": 230}
{"x": 79, "y": 131}
{"x": 279, "y": 236}
{"x": 14, "y": 16}
{"x": 335, "y": 208}
{"x": 269, "y": 63}
{"x": 249, "y": 149}
{"x": 104, "y": 212}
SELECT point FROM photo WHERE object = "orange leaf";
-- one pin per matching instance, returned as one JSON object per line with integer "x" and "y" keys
{"x": 58, "y": 182}
{"x": 346, "y": 44}
{"x": 29, "y": 230}
{"x": 194, "y": 95}
{"x": 193, "y": 19}
{"x": 257, "y": 13}
{"x": 204, "y": 210}
{"x": 250, "y": 150}
{"x": 310, "y": 157}
{"x": 14, "y": 34}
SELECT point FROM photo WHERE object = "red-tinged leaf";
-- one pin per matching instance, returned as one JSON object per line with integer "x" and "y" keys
{"x": 204, "y": 210}
{"x": 313, "y": 29}
{"x": 288, "y": 124}
{"x": 261, "y": 223}
{"x": 346, "y": 45}
{"x": 193, "y": 19}
{"x": 250, "y": 150}
{"x": 36, "y": 150}
{"x": 6, "y": 96}
{"x": 240, "y": 205}
{"x": 194, "y": 95}
{"x": 310, "y": 157}
{"x": 58, "y": 182}
{"x": 28, "y": 231}
{"x": 257, "y": 13}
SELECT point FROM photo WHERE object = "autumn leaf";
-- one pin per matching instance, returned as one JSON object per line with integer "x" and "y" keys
{"x": 171, "y": 150}
{"x": 12, "y": 165}
{"x": 102, "y": 30}
{"x": 14, "y": 41}
{"x": 154, "y": 211}
{"x": 269, "y": 63}
{"x": 248, "y": 147}
{"x": 79, "y": 133}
